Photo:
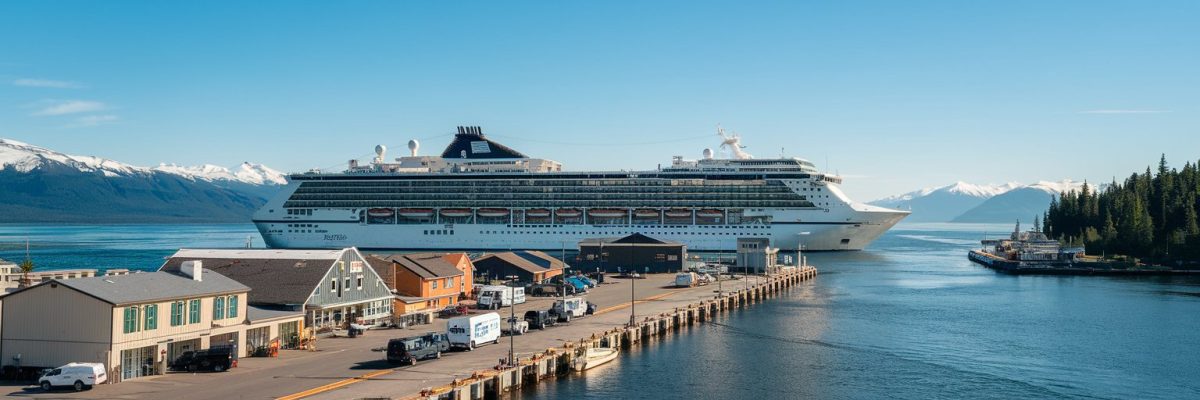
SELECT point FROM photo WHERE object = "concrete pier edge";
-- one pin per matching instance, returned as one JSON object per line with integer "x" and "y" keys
{"x": 556, "y": 362}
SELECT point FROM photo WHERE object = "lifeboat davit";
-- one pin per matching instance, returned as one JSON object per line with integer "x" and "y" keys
{"x": 568, "y": 213}
{"x": 537, "y": 213}
{"x": 492, "y": 212}
{"x": 646, "y": 213}
{"x": 710, "y": 214}
{"x": 416, "y": 212}
{"x": 606, "y": 213}
{"x": 381, "y": 212}
{"x": 456, "y": 212}
{"x": 679, "y": 213}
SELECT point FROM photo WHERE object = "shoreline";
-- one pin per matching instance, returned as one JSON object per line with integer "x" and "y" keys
{"x": 1015, "y": 268}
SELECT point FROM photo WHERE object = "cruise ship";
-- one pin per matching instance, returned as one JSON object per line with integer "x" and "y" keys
{"x": 479, "y": 194}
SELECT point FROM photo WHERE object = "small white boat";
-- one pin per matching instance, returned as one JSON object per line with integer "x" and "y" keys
{"x": 595, "y": 357}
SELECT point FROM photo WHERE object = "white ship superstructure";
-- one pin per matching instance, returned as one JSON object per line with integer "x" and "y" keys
{"x": 481, "y": 195}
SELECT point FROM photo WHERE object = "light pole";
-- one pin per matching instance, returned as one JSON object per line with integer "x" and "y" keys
{"x": 632, "y": 297}
{"x": 799, "y": 248}
{"x": 512, "y": 322}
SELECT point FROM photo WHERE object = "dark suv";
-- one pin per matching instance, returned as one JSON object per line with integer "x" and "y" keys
{"x": 540, "y": 319}
{"x": 216, "y": 359}
{"x": 410, "y": 349}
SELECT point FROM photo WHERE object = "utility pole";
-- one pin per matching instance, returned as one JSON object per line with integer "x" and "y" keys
{"x": 632, "y": 297}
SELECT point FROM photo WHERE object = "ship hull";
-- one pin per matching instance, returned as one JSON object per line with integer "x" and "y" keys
{"x": 852, "y": 233}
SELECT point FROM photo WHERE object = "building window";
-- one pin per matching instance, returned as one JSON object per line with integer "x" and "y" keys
{"x": 233, "y": 307}
{"x": 194, "y": 311}
{"x": 359, "y": 282}
{"x": 151, "y": 317}
{"x": 131, "y": 319}
{"x": 332, "y": 285}
{"x": 450, "y": 282}
{"x": 177, "y": 313}
{"x": 434, "y": 283}
{"x": 218, "y": 308}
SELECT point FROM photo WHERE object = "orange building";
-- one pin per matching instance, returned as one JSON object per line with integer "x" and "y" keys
{"x": 424, "y": 282}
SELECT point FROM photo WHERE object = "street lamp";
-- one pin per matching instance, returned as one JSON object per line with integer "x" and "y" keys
{"x": 512, "y": 322}
{"x": 799, "y": 246}
{"x": 632, "y": 297}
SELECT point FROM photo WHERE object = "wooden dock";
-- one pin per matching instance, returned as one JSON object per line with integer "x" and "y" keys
{"x": 556, "y": 362}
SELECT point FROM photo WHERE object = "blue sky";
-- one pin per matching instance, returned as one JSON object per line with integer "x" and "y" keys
{"x": 893, "y": 95}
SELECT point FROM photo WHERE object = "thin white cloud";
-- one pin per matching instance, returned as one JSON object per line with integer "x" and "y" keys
{"x": 1124, "y": 111}
{"x": 70, "y": 107}
{"x": 46, "y": 83}
{"x": 93, "y": 120}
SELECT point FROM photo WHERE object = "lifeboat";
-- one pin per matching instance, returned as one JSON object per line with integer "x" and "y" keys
{"x": 381, "y": 212}
{"x": 456, "y": 212}
{"x": 606, "y": 213}
{"x": 679, "y": 213}
{"x": 492, "y": 212}
{"x": 568, "y": 213}
{"x": 416, "y": 212}
{"x": 710, "y": 214}
{"x": 646, "y": 213}
{"x": 537, "y": 213}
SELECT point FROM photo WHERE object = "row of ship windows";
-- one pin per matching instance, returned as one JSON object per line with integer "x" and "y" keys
{"x": 301, "y": 211}
{"x": 630, "y": 226}
{"x": 439, "y": 232}
{"x": 620, "y": 233}
{"x": 541, "y": 182}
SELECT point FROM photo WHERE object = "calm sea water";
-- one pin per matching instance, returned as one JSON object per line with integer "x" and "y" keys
{"x": 115, "y": 246}
{"x": 909, "y": 318}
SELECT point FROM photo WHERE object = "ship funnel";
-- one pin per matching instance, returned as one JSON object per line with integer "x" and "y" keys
{"x": 413, "y": 145}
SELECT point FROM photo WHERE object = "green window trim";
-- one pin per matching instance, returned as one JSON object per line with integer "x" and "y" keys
{"x": 131, "y": 319}
{"x": 232, "y": 306}
{"x": 177, "y": 313}
{"x": 218, "y": 308}
{"x": 194, "y": 311}
{"x": 151, "y": 315}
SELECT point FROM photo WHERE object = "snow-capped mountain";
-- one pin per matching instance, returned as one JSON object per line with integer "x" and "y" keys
{"x": 43, "y": 185}
{"x": 247, "y": 172}
{"x": 1023, "y": 203}
{"x": 943, "y": 203}
{"x": 953, "y": 202}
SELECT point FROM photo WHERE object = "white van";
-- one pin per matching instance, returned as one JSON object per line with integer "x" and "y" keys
{"x": 496, "y": 297}
{"x": 472, "y": 331}
{"x": 75, "y": 375}
{"x": 573, "y": 307}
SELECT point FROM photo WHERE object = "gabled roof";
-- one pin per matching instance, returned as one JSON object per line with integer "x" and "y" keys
{"x": 149, "y": 287}
{"x": 634, "y": 239}
{"x": 425, "y": 265}
{"x": 470, "y": 141}
{"x": 528, "y": 260}
{"x": 385, "y": 269}
{"x": 278, "y": 277}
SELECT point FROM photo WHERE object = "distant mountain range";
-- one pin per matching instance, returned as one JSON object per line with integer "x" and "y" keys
{"x": 965, "y": 202}
{"x": 42, "y": 185}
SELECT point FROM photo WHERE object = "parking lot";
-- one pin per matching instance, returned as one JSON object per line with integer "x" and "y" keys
{"x": 330, "y": 371}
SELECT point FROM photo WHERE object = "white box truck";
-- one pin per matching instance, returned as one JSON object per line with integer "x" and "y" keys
{"x": 471, "y": 331}
{"x": 686, "y": 279}
{"x": 496, "y": 297}
{"x": 572, "y": 307}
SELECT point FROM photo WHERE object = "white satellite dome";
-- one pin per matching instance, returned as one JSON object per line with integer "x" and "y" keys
{"x": 413, "y": 145}
{"x": 708, "y": 154}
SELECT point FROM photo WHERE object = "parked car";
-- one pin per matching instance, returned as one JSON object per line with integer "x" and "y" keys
{"x": 591, "y": 308}
{"x": 216, "y": 359}
{"x": 453, "y": 310}
{"x": 514, "y": 326}
{"x": 472, "y": 331}
{"x": 78, "y": 376}
{"x": 410, "y": 349}
{"x": 540, "y": 319}
{"x": 596, "y": 276}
